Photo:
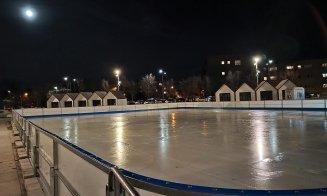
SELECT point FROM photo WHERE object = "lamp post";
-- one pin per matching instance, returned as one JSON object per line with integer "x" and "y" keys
{"x": 256, "y": 61}
{"x": 162, "y": 75}
{"x": 21, "y": 99}
{"x": 117, "y": 72}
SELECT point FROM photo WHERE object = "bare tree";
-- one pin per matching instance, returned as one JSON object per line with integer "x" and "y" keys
{"x": 192, "y": 86}
{"x": 148, "y": 85}
{"x": 131, "y": 88}
{"x": 170, "y": 88}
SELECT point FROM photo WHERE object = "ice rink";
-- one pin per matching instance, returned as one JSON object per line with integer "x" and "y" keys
{"x": 243, "y": 149}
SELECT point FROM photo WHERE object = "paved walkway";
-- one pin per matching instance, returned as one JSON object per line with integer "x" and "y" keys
{"x": 9, "y": 183}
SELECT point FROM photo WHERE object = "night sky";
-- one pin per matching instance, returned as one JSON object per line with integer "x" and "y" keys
{"x": 88, "y": 38}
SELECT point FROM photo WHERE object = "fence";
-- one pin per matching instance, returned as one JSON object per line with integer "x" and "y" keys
{"x": 66, "y": 169}
{"x": 280, "y": 104}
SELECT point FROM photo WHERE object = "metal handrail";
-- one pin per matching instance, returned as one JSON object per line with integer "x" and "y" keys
{"x": 126, "y": 185}
{"x": 161, "y": 186}
{"x": 81, "y": 153}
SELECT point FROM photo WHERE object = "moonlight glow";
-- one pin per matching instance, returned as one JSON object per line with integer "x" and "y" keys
{"x": 29, "y": 13}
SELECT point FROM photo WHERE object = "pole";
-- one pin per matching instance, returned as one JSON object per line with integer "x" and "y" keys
{"x": 163, "y": 95}
{"x": 118, "y": 82}
{"x": 256, "y": 70}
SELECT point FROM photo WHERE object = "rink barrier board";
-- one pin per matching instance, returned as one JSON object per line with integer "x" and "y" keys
{"x": 164, "y": 187}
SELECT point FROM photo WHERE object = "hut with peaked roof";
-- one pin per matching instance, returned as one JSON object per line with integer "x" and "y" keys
{"x": 82, "y": 99}
{"x": 225, "y": 93}
{"x": 285, "y": 88}
{"x": 245, "y": 93}
{"x": 96, "y": 98}
{"x": 265, "y": 91}
{"x": 67, "y": 100}
{"x": 54, "y": 101}
{"x": 114, "y": 98}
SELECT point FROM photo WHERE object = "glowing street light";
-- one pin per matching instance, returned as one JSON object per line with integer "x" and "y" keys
{"x": 117, "y": 73}
{"x": 162, "y": 72}
{"x": 256, "y": 60}
{"x": 270, "y": 61}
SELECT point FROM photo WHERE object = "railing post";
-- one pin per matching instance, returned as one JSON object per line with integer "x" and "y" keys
{"x": 53, "y": 170}
{"x": 36, "y": 153}
{"x": 28, "y": 142}
{"x": 110, "y": 185}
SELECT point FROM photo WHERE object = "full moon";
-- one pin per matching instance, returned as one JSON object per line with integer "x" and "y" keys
{"x": 29, "y": 13}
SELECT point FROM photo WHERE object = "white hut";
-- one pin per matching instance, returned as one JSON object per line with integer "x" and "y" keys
{"x": 225, "y": 93}
{"x": 54, "y": 101}
{"x": 114, "y": 98}
{"x": 96, "y": 98}
{"x": 68, "y": 100}
{"x": 265, "y": 91}
{"x": 285, "y": 88}
{"x": 82, "y": 99}
{"x": 245, "y": 93}
{"x": 298, "y": 93}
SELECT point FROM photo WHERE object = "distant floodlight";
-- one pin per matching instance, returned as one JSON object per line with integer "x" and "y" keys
{"x": 65, "y": 78}
{"x": 270, "y": 61}
{"x": 256, "y": 59}
{"x": 117, "y": 72}
{"x": 160, "y": 71}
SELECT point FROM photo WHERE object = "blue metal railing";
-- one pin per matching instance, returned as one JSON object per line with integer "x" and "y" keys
{"x": 173, "y": 188}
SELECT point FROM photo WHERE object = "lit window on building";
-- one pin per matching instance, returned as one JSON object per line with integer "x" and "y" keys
{"x": 324, "y": 65}
{"x": 289, "y": 67}
{"x": 228, "y": 62}
{"x": 223, "y": 73}
{"x": 299, "y": 66}
{"x": 264, "y": 78}
{"x": 222, "y": 62}
{"x": 272, "y": 68}
{"x": 273, "y": 77}
{"x": 237, "y": 62}
{"x": 324, "y": 85}
{"x": 324, "y": 75}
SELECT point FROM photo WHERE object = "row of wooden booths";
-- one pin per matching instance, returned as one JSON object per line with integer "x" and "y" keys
{"x": 86, "y": 99}
{"x": 284, "y": 90}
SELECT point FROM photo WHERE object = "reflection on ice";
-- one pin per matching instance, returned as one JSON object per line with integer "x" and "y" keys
{"x": 220, "y": 148}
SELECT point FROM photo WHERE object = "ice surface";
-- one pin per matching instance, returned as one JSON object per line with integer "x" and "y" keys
{"x": 221, "y": 148}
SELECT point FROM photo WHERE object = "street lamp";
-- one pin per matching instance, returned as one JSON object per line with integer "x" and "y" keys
{"x": 256, "y": 60}
{"x": 162, "y": 75}
{"x": 25, "y": 95}
{"x": 117, "y": 72}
